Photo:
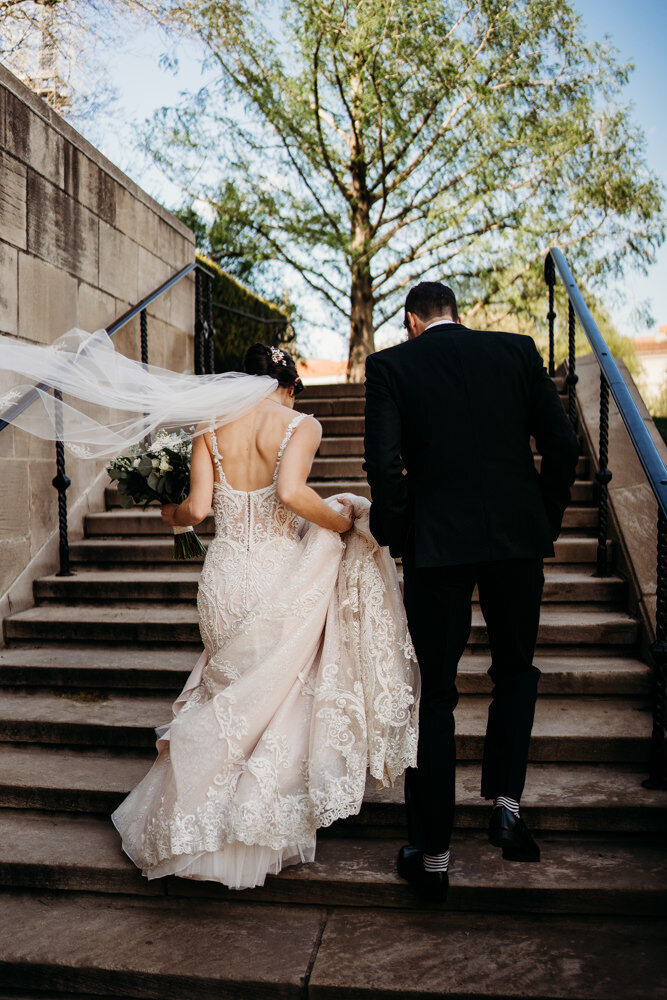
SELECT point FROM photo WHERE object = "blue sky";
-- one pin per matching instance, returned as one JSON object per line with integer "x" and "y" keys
{"x": 638, "y": 30}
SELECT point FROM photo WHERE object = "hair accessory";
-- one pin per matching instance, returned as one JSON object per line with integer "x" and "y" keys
{"x": 278, "y": 357}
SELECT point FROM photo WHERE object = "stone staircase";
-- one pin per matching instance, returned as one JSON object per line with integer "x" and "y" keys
{"x": 90, "y": 670}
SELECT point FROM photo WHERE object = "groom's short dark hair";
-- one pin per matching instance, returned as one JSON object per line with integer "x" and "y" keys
{"x": 429, "y": 299}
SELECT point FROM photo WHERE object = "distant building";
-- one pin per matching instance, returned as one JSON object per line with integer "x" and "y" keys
{"x": 314, "y": 370}
{"x": 652, "y": 354}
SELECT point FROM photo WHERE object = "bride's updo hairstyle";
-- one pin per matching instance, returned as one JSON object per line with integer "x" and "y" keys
{"x": 263, "y": 360}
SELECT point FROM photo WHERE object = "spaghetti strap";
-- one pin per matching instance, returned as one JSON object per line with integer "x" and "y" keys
{"x": 288, "y": 434}
{"x": 217, "y": 458}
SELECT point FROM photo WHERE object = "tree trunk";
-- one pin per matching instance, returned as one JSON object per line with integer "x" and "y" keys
{"x": 362, "y": 341}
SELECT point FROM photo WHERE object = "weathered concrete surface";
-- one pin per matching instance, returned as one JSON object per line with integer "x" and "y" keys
{"x": 601, "y": 729}
{"x": 149, "y": 622}
{"x": 427, "y": 955}
{"x": 176, "y": 950}
{"x": 587, "y": 874}
{"x": 558, "y": 796}
{"x": 89, "y": 665}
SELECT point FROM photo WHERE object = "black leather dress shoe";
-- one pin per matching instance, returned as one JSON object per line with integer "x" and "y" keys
{"x": 511, "y": 833}
{"x": 430, "y": 886}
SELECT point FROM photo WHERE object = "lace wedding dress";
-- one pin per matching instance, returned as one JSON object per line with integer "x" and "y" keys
{"x": 307, "y": 683}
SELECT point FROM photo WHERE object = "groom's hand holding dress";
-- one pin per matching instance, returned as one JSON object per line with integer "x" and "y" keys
{"x": 455, "y": 492}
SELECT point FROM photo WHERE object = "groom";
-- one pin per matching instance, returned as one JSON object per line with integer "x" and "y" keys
{"x": 455, "y": 492}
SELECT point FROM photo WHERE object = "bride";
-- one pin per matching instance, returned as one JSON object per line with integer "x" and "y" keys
{"x": 307, "y": 678}
{"x": 307, "y": 682}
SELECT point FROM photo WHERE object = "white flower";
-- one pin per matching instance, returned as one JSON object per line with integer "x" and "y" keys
{"x": 136, "y": 462}
{"x": 155, "y": 462}
{"x": 164, "y": 464}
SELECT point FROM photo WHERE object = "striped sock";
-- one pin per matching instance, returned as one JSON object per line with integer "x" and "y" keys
{"x": 511, "y": 804}
{"x": 436, "y": 862}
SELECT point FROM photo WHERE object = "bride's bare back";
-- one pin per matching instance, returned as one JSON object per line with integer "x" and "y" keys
{"x": 249, "y": 446}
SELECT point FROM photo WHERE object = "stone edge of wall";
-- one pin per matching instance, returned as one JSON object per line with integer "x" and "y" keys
{"x": 632, "y": 506}
{"x": 20, "y": 594}
{"x": 68, "y": 132}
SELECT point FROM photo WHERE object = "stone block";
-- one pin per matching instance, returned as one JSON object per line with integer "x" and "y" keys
{"x": 33, "y": 141}
{"x": 147, "y": 227}
{"x": 61, "y": 230}
{"x": 636, "y": 509}
{"x": 126, "y": 212}
{"x": 119, "y": 264}
{"x": 8, "y": 289}
{"x": 48, "y": 300}
{"x": 7, "y": 442}
{"x": 127, "y": 341}
{"x": 182, "y": 313}
{"x": 173, "y": 247}
{"x": 43, "y": 502}
{"x": 89, "y": 185}
{"x": 152, "y": 272}
{"x": 14, "y": 555}
{"x": 14, "y": 499}
{"x": 13, "y": 201}
{"x": 179, "y": 351}
{"x": 96, "y": 309}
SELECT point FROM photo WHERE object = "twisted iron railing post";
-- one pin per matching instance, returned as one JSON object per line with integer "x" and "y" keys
{"x": 656, "y": 778}
{"x": 61, "y": 483}
{"x": 603, "y": 477}
{"x": 200, "y": 360}
{"x": 550, "y": 278}
{"x": 143, "y": 327}
{"x": 571, "y": 378}
{"x": 210, "y": 340}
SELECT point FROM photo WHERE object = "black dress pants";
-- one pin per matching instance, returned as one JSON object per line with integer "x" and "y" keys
{"x": 438, "y": 604}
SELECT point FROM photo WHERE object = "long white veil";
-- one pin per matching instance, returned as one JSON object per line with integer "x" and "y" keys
{"x": 110, "y": 401}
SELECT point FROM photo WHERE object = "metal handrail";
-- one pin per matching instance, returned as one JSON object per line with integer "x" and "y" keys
{"x": 612, "y": 381}
{"x": 643, "y": 443}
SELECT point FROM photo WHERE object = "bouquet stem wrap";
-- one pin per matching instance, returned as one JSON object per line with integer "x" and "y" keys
{"x": 187, "y": 545}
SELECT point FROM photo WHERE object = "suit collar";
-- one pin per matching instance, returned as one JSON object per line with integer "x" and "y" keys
{"x": 444, "y": 326}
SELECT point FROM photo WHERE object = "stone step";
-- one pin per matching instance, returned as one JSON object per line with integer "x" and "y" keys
{"x": 136, "y": 521}
{"x": 578, "y": 797}
{"x": 347, "y": 406}
{"x": 331, "y": 390}
{"x": 585, "y": 729}
{"x": 612, "y": 873}
{"x": 333, "y": 426}
{"x": 198, "y": 949}
{"x": 152, "y": 550}
{"x": 350, "y": 467}
{"x": 344, "y": 446}
{"x": 582, "y": 490}
{"x": 351, "y": 444}
{"x": 164, "y": 668}
{"x": 151, "y": 622}
{"x": 330, "y": 407}
{"x": 562, "y": 584}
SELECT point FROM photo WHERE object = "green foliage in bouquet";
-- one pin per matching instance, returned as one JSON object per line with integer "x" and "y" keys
{"x": 158, "y": 472}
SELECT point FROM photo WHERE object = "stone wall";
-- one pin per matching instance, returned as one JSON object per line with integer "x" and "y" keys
{"x": 79, "y": 243}
{"x": 632, "y": 505}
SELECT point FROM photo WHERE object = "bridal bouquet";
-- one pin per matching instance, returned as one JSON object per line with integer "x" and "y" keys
{"x": 159, "y": 471}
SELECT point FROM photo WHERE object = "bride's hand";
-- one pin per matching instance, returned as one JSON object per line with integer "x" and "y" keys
{"x": 346, "y": 512}
{"x": 167, "y": 513}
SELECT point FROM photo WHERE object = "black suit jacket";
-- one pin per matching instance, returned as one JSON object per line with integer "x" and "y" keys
{"x": 449, "y": 417}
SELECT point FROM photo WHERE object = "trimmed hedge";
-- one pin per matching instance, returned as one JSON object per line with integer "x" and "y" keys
{"x": 234, "y": 333}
